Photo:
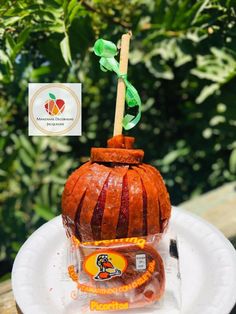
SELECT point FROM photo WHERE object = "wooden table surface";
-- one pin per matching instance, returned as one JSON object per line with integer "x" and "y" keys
{"x": 218, "y": 207}
{"x": 7, "y": 303}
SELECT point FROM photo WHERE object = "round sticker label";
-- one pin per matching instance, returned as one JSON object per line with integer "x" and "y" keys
{"x": 54, "y": 109}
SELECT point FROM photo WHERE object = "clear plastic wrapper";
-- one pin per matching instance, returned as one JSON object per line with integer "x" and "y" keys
{"x": 138, "y": 275}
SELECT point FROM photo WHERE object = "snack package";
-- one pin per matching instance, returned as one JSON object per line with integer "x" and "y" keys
{"x": 138, "y": 274}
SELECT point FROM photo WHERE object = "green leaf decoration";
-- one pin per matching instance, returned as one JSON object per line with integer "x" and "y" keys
{"x": 52, "y": 96}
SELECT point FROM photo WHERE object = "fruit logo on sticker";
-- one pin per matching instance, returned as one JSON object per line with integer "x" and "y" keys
{"x": 105, "y": 266}
{"x": 54, "y": 106}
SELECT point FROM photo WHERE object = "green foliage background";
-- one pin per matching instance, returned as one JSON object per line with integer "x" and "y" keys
{"x": 183, "y": 63}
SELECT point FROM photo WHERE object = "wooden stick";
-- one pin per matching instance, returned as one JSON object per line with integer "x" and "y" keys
{"x": 120, "y": 97}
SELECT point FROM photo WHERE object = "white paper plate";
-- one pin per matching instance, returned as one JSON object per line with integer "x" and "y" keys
{"x": 207, "y": 265}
